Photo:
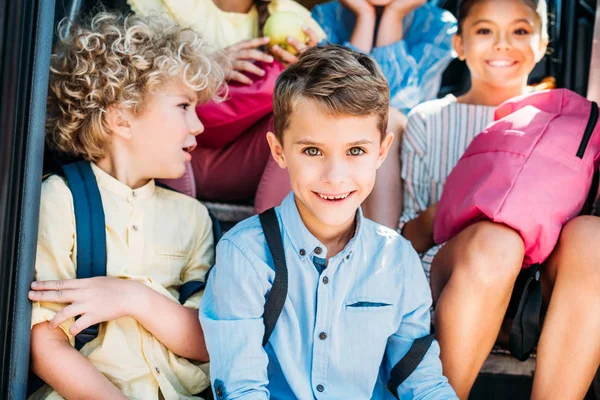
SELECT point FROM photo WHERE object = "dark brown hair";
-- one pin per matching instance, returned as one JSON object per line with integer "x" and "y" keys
{"x": 340, "y": 80}
{"x": 262, "y": 8}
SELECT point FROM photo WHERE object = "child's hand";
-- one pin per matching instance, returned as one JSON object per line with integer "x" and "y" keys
{"x": 359, "y": 7}
{"x": 240, "y": 56}
{"x": 288, "y": 58}
{"x": 403, "y": 7}
{"x": 95, "y": 300}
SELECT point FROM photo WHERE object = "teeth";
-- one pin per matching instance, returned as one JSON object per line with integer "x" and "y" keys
{"x": 334, "y": 197}
{"x": 501, "y": 63}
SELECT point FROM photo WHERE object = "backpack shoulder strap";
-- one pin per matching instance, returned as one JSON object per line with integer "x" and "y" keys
{"x": 90, "y": 228}
{"x": 278, "y": 294}
{"x": 409, "y": 363}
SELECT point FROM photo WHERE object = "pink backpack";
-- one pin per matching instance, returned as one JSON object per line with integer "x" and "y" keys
{"x": 531, "y": 169}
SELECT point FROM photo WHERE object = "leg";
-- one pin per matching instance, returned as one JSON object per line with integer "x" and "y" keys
{"x": 384, "y": 204}
{"x": 472, "y": 278}
{"x": 569, "y": 348}
{"x": 232, "y": 173}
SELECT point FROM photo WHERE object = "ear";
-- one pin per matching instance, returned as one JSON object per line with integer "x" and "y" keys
{"x": 384, "y": 148}
{"x": 118, "y": 122}
{"x": 276, "y": 150}
{"x": 459, "y": 47}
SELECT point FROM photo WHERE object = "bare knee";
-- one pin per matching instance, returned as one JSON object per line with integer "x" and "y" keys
{"x": 492, "y": 255}
{"x": 577, "y": 250}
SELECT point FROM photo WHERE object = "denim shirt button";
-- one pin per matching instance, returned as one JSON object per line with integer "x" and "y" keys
{"x": 325, "y": 280}
{"x": 318, "y": 250}
{"x": 302, "y": 252}
{"x": 322, "y": 336}
{"x": 320, "y": 388}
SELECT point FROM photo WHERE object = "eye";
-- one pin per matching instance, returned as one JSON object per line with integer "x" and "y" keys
{"x": 521, "y": 32}
{"x": 184, "y": 106}
{"x": 312, "y": 151}
{"x": 483, "y": 31}
{"x": 356, "y": 151}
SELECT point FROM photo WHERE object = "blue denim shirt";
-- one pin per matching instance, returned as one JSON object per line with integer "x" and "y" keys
{"x": 414, "y": 65}
{"x": 343, "y": 327}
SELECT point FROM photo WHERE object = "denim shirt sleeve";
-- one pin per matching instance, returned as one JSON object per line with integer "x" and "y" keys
{"x": 412, "y": 63}
{"x": 231, "y": 317}
{"x": 327, "y": 19}
{"x": 427, "y": 381}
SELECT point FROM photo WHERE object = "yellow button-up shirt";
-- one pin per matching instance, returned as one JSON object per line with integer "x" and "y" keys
{"x": 219, "y": 28}
{"x": 153, "y": 235}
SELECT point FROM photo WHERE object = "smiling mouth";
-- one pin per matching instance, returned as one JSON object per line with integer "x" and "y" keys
{"x": 501, "y": 63}
{"x": 335, "y": 197}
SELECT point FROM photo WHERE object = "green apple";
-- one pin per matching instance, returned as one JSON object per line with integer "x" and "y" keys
{"x": 282, "y": 24}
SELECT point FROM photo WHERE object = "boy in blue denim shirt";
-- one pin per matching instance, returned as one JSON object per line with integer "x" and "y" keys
{"x": 411, "y": 40}
{"x": 357, "y": 295}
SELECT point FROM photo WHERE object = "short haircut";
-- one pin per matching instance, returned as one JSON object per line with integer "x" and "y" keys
{"x": 343, "y": 82}
{"x": 116, "y": 61}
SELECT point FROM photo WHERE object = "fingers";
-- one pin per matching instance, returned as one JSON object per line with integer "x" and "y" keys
{"x": 252, "y": 54}
{"x": 296, "y": 44}
{"x": 313, "y": 39}
{"x": 239, "y": 77}
{"x": 85, "y": 321}
{"x": 70, "y": 311}
{"x": 283, "y": 55}
{"x": 248, "y": 67}
{"x": 248, "y": 44}
{"x": 55, "y": 296}
{"x": 60, "y": 284}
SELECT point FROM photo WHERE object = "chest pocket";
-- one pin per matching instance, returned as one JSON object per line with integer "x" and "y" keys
{"x": 368, "y": 305}
{"x": 167, "y": 263}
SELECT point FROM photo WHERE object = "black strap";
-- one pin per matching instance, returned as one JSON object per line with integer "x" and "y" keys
{"x": 525, "y": 330}
{"x": 90, "y": 229}
{"x": 409, "y": 362}
{"x": 276, "y": 297}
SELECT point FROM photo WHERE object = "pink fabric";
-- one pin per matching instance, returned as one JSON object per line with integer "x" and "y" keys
{"x": 522, "y": 171}
{"x": 245, "y": 105}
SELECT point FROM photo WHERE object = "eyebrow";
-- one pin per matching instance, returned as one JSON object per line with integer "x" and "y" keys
{"x": 311, "y": 143}
{"x": 480, "y": 21}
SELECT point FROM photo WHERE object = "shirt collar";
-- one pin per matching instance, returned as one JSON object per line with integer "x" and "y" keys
{"x": 305, "y": 243}
{"x": 105, "y": 181}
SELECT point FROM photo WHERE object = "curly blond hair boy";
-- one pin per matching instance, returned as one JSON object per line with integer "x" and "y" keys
{"x": 123, "y": 92}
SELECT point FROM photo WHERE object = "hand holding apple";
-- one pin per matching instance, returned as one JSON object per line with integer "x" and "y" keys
{"x": 282, "y": 25}
{"x": 296, "y": 46}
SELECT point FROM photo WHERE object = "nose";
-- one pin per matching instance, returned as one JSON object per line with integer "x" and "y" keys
{"x": 335, "y": 171}
{"x": 502, "y": 43}
{"x": 195, "y": 124}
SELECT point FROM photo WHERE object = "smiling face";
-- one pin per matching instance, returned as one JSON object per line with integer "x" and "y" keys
{"x": 332, "y": 161}
{"x": 501, "y": 42}
{"x": 163, "y": 135}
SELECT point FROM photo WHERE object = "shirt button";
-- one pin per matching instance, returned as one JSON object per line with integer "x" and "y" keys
{"x": 320, "y": 388}
{"x": 322, "y": 336}
{"x": 135, "y": 227}
{"x": 325, "y": 280}
{"x": 318, "y": 250}
{"x": 133, "y": 193}
{"x": 157, "y": 370}
{"x": 219, "y": 392}
{"x": 348, "y": 257}
{"x": 302, "y": 252}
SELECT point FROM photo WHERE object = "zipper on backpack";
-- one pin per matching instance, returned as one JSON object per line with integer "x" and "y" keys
{"x": 589, "y": 129}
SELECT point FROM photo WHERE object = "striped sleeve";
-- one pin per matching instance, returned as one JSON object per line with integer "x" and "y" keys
{"x": 415, "y": 174}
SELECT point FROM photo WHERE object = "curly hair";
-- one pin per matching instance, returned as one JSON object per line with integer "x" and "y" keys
{"x": 115, "y": 61}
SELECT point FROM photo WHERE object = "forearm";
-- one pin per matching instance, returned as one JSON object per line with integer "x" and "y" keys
{"x": 391, "y": 27}
{"x": 362, "y": 35}
{"x": 419, "y": 233}
{"x": 67, "y": 371}
{"x": 175, "y": 326}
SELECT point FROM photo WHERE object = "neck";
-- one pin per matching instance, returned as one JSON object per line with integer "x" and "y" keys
{"x": 333, "y": 237}
{"x": 119, "y": 167}
{"x": 234, "y": 6}
{"x": 485, "y": 94}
